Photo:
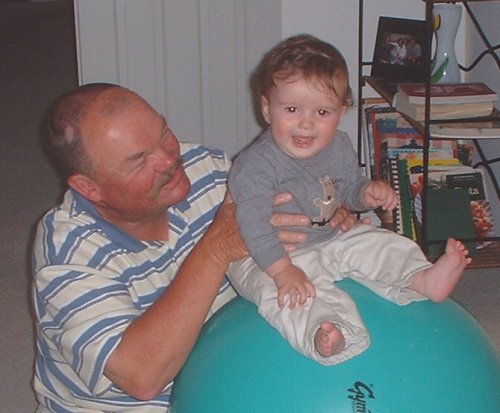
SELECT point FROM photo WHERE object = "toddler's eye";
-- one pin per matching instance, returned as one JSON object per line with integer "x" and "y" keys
{"x": 291, "y": 109}
{"x": 322, "y": 112}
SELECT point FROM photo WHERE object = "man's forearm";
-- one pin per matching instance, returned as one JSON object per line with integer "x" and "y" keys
{"x": 156, "y": 345}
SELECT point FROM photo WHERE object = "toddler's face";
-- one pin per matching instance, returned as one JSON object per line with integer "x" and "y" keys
{"x": 303, "y": 115}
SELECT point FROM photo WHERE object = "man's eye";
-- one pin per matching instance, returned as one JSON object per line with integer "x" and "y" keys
{"x": 135, "y": 162}
{"x": 291, "y": 109}
{"x": 140, "y": 160}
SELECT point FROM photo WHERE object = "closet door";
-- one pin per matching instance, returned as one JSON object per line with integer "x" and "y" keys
{"x": 191, "y": 59}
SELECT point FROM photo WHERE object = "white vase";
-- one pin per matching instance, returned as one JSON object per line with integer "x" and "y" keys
{"x": 444, "y": 64}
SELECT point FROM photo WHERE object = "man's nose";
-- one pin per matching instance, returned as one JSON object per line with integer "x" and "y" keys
{"x": 166, "y": 159}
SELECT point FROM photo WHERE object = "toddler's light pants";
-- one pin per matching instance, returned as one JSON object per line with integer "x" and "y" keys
{"x": 377, "y": 258}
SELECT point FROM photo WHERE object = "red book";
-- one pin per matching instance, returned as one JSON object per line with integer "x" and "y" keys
{"x": 446, "y": 93}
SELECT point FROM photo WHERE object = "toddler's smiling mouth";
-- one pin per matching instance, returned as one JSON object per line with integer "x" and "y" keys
{"x": 302, "y": 141}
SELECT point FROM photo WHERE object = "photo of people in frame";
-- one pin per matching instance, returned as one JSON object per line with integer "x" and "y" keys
{"x": 399, "y": 49}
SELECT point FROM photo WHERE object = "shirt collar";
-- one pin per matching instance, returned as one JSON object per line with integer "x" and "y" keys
{"x": 82, "y": 205}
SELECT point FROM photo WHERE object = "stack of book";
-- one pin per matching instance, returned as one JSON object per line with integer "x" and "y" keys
{"x": 447, "y": 101}
{"x": 394, "y": 153}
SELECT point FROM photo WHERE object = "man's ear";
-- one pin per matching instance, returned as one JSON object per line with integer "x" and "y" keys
{"x": 85, "y": 186}
{"x": 264, "y": 108}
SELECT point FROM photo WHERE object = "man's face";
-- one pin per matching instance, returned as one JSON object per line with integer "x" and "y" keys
{"x": 303, "y": 116}
{"x": 136, "y": 165}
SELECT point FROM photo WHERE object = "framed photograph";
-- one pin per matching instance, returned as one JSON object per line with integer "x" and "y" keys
{"x": 399, "y": 48}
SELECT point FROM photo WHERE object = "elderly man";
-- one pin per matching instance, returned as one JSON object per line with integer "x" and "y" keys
{"x": 132, "y": 262}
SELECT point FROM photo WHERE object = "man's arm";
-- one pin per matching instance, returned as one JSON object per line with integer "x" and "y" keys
{"x": 156, "y": 345}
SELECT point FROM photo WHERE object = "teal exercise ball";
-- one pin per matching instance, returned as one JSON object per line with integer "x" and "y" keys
{"x": 423, "y": 358}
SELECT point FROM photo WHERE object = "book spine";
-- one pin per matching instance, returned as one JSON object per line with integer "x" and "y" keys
{"x": 394, "y": 181}
{"x": 405, "y": 200}
{"x": 369, "y": 154}
{"x": 377, "y": 150}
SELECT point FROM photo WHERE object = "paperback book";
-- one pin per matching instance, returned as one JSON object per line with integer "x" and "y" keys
{"x": 442, "y": 111}
{"x": 448, "y": 93}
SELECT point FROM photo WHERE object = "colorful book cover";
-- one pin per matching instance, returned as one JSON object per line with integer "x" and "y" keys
{"x": 462, "y": 177}
{"x": 377, "y": 117}
{"x": 409, "y": 146}
{"x": 371, "y": 114}
{"x": 415, "y": 164}
{"x": 409, "y": 228}
{"x": 481, "y": 210}
{"x": 394, "y": 218}
{"x": 385, "y": 138}
{"x": 449, "y": 215}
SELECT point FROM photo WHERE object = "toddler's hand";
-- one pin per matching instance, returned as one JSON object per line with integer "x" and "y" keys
{"x": 292, "y": 282}
{"x": 380, "y": 194}
{"x": 345, "y": 219}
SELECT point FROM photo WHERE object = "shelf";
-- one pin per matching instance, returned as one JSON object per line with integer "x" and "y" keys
{"x": 487, "y": 127}
{"x": 488, "y": 257}
{"x": 383, "y": 87}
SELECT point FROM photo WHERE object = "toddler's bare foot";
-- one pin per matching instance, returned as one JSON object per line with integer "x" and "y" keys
{"x": 438, "y": 281}
{"x": 328, "y": 339}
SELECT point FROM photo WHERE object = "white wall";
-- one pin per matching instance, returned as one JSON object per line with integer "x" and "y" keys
{"x": 487, "y": 14}
{"x": 191, "y": 59}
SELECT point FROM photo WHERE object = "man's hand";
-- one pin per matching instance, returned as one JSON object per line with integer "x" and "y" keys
{"x": 342, "y": 219}
{"x": 225, "y": 238}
